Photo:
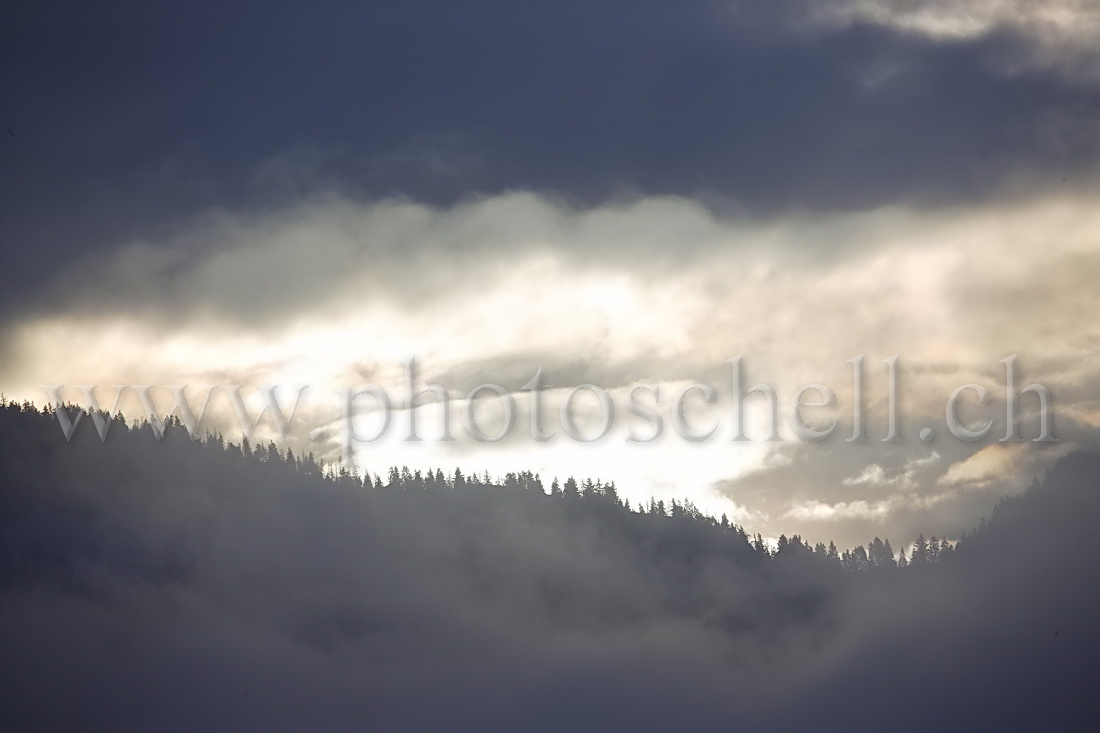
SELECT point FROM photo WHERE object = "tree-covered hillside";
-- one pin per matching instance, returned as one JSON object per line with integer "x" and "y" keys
{"x": 180, "y": 585}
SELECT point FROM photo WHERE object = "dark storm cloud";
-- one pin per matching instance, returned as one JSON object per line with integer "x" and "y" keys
{"x": 127, "y": 119}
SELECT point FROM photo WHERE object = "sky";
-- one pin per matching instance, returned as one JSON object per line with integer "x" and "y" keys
{"x": 618, "y": 194}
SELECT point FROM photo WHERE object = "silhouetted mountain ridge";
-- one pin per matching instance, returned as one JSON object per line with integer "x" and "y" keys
{"x": 285, "y": 599}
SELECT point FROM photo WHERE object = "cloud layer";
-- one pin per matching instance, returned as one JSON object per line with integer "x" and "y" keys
{"x": 1063, "y": 35}
{"x": 336, "y": 293}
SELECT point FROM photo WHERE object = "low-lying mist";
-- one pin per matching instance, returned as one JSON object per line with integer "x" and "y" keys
{"x": 194, "y": 586}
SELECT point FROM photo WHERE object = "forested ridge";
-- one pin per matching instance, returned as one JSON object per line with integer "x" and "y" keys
{"x": 283, "y": 466}
{"x": 288, "y": 593}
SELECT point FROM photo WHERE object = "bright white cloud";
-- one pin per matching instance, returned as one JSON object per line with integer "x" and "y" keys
{"x": 1063, "y": 34}
{"x": 875, "y": 475}
{"x": 335, "y": 293}
{"x": 861, "y": 509}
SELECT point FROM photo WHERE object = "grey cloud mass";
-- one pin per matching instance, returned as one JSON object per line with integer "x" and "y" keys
{"x": 129, "y": 119}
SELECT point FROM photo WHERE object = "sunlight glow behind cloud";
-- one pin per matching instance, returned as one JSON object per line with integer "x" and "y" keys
{"x": 336, "y": 294}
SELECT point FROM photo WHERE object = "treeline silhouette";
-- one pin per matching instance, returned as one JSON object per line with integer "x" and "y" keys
{"x": 585, "y": 494}
{"x": 202, "y": 585}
